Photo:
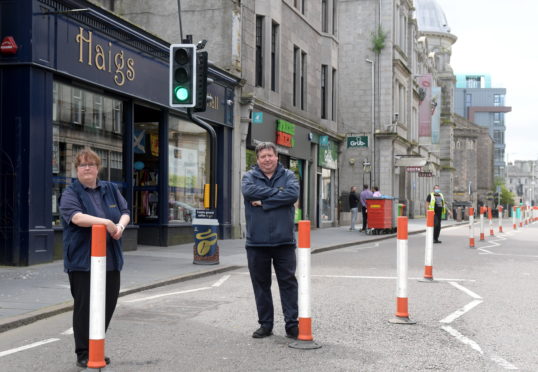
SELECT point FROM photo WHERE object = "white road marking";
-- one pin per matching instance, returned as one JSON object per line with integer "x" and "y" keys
{"x": 456, "y": 314}
{"x": 503, "y": 362}
{"x": 374, "y": 277}
{"x": 465, "y": 290}
{"x": 26, "y": 347}
{"x": 219, "y": 282}
{"x": 167, "y": 294}
{"x": 463, "y": 339}
{"x": 68, "y": 332}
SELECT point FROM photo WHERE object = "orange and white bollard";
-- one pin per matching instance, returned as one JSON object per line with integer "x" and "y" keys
{"x": 305, "y": 340}
{"x": 526, "y": 215}
{"x": 514, "y": 216}
{"x": 520, "y": 216}
{"x": 471, "y": 227}
{"x": 428, "y": 252}
{"x": 402, "y": 313}
{"x": 96, "y": 355}
{"x": 500, "y": 210}
{"x": 481, "y": 223}
{"x": 490, "y": 218}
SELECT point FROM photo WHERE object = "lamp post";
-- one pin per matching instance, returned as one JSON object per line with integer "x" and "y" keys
{"x": 366, "y": 168}
{"x": 372, "y": 156}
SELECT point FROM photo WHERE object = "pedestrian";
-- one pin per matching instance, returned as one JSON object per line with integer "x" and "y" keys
{"x": 365, "y": 194}
{"x": 376, "y": 194}
{"x": 86, "y": 202}
{"x": 353, "y": 206}
{"x": 269, "y": 192}
{"x": 436, "y": 202}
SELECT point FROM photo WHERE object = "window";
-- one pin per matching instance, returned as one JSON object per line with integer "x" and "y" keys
{"x": 295, "y": 73}
{"x": 498, "y": 136}
{"x": 498, "y": 100}
{"x": 473, "y": 81}
{"x": 333, "y": 92}
{"x": 259, "y": 51}
{"x": 274, "y": 59}
{"x": 334, "y": 17}
{"x": 188, "y": 168}
{"x": 468, "y": 100}
{"x": 81, "y": 118}
{"x": 324, "y": 16}
{"x": 324, "y": 91}
{"x": 326, "y": 186}
{"x": 303, "y": 81}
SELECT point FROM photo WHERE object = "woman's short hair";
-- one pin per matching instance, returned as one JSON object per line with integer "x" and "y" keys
{"x": 87, "y": 154}
{"x": 264, "y": 146}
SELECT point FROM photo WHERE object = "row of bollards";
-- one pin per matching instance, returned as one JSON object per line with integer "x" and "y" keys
{"x": 305, "y": 340}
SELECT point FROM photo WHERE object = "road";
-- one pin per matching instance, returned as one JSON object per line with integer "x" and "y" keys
{"x": 480, "y": 315}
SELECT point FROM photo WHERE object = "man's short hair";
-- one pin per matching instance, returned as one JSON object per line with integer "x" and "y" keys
{"x": 264, "y": 146}
{"x": 365, "y": 186}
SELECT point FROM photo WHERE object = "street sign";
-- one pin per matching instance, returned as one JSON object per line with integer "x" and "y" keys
{"x": 257, "y": 117}
{"x": 357, "y": 141}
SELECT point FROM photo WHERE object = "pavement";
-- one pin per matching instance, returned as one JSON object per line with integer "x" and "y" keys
{"x": 28, "y": 294}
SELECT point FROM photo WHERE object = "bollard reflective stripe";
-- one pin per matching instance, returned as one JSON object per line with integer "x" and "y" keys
{"x": 482, "y": 223}
{"x": 471, "y": 227}
{"x": 96, "y": 355}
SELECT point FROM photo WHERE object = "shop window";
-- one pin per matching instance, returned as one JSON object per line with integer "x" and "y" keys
{"x": 146, "y": 172}
{"x": 250, "y": 156}
{"x": 296, "y": 166}
{"x": 188, "y": 169}
{"x": 326, "y": 195}
{"x": 72, "y": 108}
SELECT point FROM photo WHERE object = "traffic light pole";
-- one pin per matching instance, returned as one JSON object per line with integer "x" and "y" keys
{"x": 212, "y": 158}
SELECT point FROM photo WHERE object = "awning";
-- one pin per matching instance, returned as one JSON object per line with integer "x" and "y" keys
{"x": 410, "y": 162}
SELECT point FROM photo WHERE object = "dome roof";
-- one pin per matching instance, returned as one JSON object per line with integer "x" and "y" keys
{"x": 430, "y": 16}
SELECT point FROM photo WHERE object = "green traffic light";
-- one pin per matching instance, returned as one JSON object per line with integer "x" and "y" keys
{"x": 181, "y": 93}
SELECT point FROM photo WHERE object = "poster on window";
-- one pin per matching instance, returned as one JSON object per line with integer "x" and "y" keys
{"x": 55, "y": 151}
{"x": 182, "y": 167}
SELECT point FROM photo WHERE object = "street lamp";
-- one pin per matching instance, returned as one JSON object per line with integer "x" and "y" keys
{"x": 371, "y": 62}
{"x": 366, "y": 168}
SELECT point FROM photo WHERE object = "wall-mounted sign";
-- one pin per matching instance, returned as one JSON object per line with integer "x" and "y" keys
{"x": 357, "y": 141}
{"x": 284, "y": 133}
{"x": 425, "y": 174}
{"x": 257, "y": 117}
{"x": 413, "y": 169}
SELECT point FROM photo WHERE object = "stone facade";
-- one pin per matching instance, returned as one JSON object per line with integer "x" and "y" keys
{"x": 521, "y": 179}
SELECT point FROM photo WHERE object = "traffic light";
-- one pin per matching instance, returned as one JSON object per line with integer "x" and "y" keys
{"x": 201, "y": 82}
{"x": 182, "y": 75}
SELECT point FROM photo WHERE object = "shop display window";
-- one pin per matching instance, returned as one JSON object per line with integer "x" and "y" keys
{"x": 146, "y": 172}
{"x": 188, "y": 169}
{"x": 83, "y": 118}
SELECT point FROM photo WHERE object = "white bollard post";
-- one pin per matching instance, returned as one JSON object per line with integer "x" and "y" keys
{"x": 428, "y": 251}
{"x": 96, "y": 355}
{"x": 471, "y": 227}
{"x": 402, "y": 313}
{"x": 305, "y": 340}
{"x": 482, "y": 223}
{"x": 490, "y": 218}
{"x": 514, "y": 214}
{"x": 500, "y": 210}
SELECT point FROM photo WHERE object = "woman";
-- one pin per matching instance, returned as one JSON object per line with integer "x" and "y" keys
{"x": 87, "y": 202}
{"x": 377, "y": 193}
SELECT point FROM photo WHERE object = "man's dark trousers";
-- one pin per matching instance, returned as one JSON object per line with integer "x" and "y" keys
{"x": 364, "y": 217}
{"x": 284, "y": 262}
{"x": 436, "y": 225}
{"x": 80, "y": 290}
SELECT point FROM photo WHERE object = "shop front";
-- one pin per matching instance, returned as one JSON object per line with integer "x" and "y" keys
{"x": 85, "y": 78}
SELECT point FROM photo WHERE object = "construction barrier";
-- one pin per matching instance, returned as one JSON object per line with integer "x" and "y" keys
{"x": 514, "y": 214}
{"x": 490, "y": 218}
{"x": 305, "y": 340}
{"x": 500, "y": 210}
{"x": 482, "y": 209}
{"x": 471, "y": 227}
{"x": 428, "y": 251}
{"x": 402, "y": 313}
{"x": 96, "y": 355}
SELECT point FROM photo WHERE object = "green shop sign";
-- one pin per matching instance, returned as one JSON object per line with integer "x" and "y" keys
{"x": 357, "y": 141}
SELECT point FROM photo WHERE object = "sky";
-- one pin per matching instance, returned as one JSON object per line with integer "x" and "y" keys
{"x": 500, "y": 38}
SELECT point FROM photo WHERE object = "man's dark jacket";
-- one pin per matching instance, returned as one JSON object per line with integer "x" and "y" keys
{"x": 272, "y": 224}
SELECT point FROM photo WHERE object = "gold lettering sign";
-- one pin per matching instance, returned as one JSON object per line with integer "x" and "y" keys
{"x": 106, "y": 60}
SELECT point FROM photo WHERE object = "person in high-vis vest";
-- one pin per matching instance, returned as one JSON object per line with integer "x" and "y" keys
{"x": 436, "y": 202}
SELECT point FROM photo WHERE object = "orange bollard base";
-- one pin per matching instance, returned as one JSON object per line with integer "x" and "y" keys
{"x": 500, "y": 229}
{"x": 96, "y": 354}
{"x": 428, "y": 275}
{"x": 481, "y": 236}
{"x": 402, "y": 315}
{"x": 305, "y": 340}
{"x": 471, "y": 243}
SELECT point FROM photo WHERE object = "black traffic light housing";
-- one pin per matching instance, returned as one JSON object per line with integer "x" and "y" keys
{"x": 183, "y": 75}
{"x": 201, "y": 82}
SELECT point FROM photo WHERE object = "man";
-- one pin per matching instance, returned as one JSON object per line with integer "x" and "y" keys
{"x": 354, "y": 206}
{"x": 436, "y": 202}
{"x": 269, "y": 192}
{"x": 366, "y": 193}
